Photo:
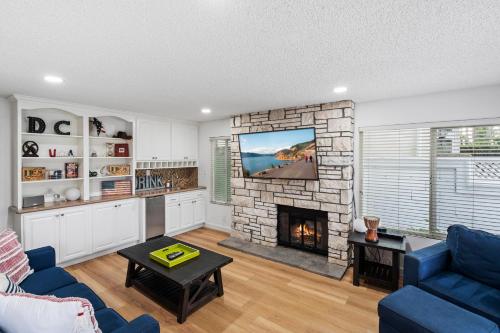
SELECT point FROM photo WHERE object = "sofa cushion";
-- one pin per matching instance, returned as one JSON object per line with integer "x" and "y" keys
{"x": 465, "y": 292}
{"x": 28, "y": 313}
{"x": 82, "y": 291}
{"x": 474, "y": 253}
{"x": 109, "y": 320}
{"x": 411, "y": 309}
{"x": 13, "y": 260}
{"x": 44, "y": 281}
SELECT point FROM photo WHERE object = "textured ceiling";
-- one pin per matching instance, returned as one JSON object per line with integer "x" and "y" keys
{"x": 175, "y": 57}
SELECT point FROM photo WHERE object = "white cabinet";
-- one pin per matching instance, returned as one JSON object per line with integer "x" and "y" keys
{"x": 199, "y": 210}
{"x": 184, "y": 211}
{"x": 172, "y": 217}
{"x": 127, "y": 222}
{"x": 79, "y": 231}
{"x": 184, "y": 141}
{"x": 42, "y": 229}
{"x": 115, "y": 223}
{"x": 103, "y": 232}
{"x": 75, "y": 234}
{"x": 66, "y": 230}
{"x": 153, "y": 140}
{"x": 187, "y": 213}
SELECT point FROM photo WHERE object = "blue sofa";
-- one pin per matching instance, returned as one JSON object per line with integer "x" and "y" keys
{"x": 464, "y": 270}
{"x": 51, "y": 280}
{"x": 457, "y": 279}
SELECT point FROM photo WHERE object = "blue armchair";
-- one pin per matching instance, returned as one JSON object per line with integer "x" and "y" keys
{"x": 49, "y": 279}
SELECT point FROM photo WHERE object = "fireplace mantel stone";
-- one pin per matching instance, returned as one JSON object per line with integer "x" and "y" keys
{"x": 254, "y": 201}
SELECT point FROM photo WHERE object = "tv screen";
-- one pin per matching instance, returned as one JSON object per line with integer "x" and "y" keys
{"x": 287, "y": 154}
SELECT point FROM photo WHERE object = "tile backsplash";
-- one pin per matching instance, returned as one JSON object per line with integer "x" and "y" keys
{"x": 181, "y": 177}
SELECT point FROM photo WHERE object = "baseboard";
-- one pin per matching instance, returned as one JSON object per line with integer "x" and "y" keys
{"x": 96, "y": 255}
{"x": 217, "y": 227}
{"x": 186, "y": 229}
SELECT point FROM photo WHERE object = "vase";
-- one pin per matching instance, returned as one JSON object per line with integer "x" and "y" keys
{"x": 371, "y": 223}
{"x": 72, "y": 194}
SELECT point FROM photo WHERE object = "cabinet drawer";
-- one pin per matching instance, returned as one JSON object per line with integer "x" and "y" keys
{"x": 171, "y": 199}
{"x": 187, "y": 196}
{"x": 200, "y": 194}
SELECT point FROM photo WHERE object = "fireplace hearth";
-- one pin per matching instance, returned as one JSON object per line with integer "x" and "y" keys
{"x": 303, "y": 229}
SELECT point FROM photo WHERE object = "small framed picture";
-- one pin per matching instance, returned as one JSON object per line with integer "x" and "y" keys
{"x": 121, "y": 150}
{"x": 71, "y": 170}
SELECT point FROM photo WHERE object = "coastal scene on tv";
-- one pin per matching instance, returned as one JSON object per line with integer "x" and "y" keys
{"x": 282, "y": 154}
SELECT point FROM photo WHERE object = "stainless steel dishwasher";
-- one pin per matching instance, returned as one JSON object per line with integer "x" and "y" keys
{"x": 155, "y": 216}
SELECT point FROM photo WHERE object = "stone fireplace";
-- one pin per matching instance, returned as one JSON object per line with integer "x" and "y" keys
{"x": 256, "y": 202}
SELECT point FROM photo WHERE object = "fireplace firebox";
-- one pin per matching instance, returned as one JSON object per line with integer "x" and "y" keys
{"x": 304, "y": 229}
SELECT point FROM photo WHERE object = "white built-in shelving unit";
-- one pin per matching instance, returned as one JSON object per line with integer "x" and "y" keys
{"x": 157, "y": 143}
{"x": 82, "y": 141}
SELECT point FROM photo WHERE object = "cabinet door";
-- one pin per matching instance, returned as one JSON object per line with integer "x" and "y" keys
{"x": 42, "y": 229}
{"x": 127, "y": 221}
{"x": 172, "y": 217}
{"x": 184, "y": 141}
{"x": 163, "y": 141}
{"x": 145, "y": 149}
{"x": 153, "y": 140}
{"x": 199, "y": 210}
{"x": 103, "y": 231}
{"x": 75, "y": 238}
{"x": 187, "y": 213}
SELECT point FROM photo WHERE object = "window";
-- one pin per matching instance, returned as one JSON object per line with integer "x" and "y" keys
{"x": 423, "y": 180}
{"x": 221, "y": 170}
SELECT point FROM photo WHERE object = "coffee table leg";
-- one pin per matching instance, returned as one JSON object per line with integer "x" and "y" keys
{"x": 182, "y": 311}
{"x": 130, "y": 273}
{"x": 218, "y": 282}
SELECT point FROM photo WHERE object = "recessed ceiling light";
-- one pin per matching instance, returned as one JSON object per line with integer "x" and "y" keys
{"x": 206, "y": 110}
{"x": 340, "y": 90}
{"x": 53, "y": 79}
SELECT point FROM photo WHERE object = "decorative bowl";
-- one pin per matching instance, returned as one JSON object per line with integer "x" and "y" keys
{"x": 72, "y": 194}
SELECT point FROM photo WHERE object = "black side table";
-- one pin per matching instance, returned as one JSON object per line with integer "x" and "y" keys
{"x": 376, "y": 273}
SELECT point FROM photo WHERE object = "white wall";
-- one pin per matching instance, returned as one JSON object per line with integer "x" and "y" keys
{"x": 218, "y": 216}
{"x": 5, "y": 161}
{"x": 459, "y": 105}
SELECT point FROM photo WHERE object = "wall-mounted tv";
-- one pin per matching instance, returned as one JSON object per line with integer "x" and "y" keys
{"x": 287, "y": 154}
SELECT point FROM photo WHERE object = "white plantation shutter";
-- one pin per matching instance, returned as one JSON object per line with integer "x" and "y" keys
{"x": 221, "y": 170}
{"x": 425, "y": 179}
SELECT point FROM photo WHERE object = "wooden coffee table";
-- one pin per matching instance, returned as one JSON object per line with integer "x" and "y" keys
{"x": 181, "y": 289}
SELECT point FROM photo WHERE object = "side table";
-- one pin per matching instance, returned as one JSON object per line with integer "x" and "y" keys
{"x": 376, "y": 273}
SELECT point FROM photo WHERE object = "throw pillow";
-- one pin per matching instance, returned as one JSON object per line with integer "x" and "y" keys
{"x": 474, "y": 253}
{"x": 7, "y": 286}
{"x": 13, "y": 261}
{"x": 28, "y": 313}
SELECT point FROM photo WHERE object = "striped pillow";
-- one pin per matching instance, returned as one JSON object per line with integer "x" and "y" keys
{"x": 13, "y": 261}
{"x": 28, "y": 313}
{"x": 9, "y": 287}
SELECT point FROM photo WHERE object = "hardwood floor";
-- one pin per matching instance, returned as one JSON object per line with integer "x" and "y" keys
{"x": 260, "y": 296}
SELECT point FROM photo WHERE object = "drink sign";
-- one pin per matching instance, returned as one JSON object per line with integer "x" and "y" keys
{"x": 148, "y": 182}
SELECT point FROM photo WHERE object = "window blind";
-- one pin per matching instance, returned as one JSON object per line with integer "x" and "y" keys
{"x": 467, "y": 182}
{"x": 221, "y": 170}
{"x": 396, "y": 177}
{"x": 423, "y": 180}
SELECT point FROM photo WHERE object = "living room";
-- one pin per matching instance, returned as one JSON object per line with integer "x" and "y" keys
{"x": 249, "y": 166}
